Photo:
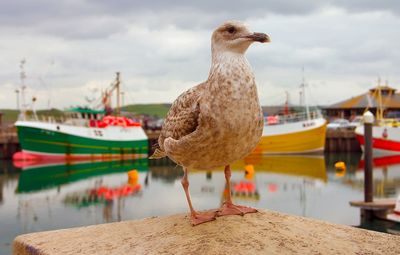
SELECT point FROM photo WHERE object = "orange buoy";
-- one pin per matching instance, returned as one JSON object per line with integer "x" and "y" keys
{"x": 133, "y": 177}
{"x": 340, "y": 169}
{"x": 340, "y": 165}
{"x": 249, "y": 172}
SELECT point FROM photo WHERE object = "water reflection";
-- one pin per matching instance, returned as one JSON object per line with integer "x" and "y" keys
{"x": 101, "y": 194}
{"x": 39, "y": 176}
{"x": 386, "y": 173}
{"x": 39, "y": 197}
{"x": 278, "y": 176}
{"x": 296, "y": 165}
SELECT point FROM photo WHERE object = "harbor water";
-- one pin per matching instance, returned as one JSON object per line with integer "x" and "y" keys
{"x": 56, "y": 195}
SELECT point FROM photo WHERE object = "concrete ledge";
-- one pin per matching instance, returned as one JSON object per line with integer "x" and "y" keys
{"x": 265, "y": 232}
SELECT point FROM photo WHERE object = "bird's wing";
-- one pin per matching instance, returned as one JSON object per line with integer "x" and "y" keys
{"x": 182, "y": 118}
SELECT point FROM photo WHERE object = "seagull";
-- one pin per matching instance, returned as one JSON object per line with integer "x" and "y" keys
{"x": 218, "y": 121}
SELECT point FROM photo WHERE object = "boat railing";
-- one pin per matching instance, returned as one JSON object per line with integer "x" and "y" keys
{"x": 391, "y": 122}
{"x": 44, "y": 118}
{"x": 291, "y": 118}
{"x": 81, "y": 122}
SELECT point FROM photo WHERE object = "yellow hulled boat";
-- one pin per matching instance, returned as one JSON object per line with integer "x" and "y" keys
{"x": 293, "y": 134}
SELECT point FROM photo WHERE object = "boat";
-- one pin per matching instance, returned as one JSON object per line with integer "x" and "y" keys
{"x": 83, "y": 133}
{"x": 293, "y": 133}
{"x": 386, "y": 130}
{"x": 395, "y": 215}
{"x": 385, "y": 139}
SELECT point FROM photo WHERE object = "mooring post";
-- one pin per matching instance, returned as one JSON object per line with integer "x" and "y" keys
{"x": 368, "y": 181}
{"x": 370, "y": 209}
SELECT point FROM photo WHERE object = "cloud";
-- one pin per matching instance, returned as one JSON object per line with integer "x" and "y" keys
{"x": 162, "y": 48}
{"x": 392, "y": 6}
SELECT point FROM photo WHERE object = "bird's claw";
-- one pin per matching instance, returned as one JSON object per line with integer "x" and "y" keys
{"x": 199, "y": 218}
{"x": 232, "y": 209}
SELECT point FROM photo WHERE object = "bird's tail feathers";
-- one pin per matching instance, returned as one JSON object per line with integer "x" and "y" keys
{"x": 158, "y": 153}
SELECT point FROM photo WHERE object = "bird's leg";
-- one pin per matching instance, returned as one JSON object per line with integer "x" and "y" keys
{"x": 228, "y": 208}
{"x": 195, "y": 217}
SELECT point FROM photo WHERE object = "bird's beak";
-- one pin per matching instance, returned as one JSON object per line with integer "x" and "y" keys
{"x": 258, "y": 37}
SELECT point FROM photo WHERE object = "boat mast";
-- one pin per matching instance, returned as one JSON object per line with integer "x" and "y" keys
{"x": 122, "y": 98}
{"x": 303, "y": 95}
{"x": 22, "y": 115}
{"x": 286, "y": 109}
{"x": 107, "y": 94}
{"x": 379, "y": 111}
{"x": 117, "y": 84}
{"x": 17, "y": 93}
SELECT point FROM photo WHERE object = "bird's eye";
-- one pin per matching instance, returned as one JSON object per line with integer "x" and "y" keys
{"x": 231, "y": 30}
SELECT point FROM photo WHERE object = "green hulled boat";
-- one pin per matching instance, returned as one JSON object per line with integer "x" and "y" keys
{"x": 83, "y": 134}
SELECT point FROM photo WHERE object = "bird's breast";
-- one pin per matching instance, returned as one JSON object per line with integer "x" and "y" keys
{"x": 234, "y": 108}
{"x": 230, "y": 119}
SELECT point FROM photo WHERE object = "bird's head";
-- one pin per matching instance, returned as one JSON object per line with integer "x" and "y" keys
{"x": 234, "y": 36}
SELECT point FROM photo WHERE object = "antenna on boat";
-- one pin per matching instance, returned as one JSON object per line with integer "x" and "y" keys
{"x": 22, "y": 91}
{"x": 17, "y": 93}
{"x": 303, "y": 95}
{"x": 33, "y": 107}
{"x": 286, "y": 109}
{"x": 379, "y": 111}
{"x": 122, "y": 98}
{"x": 117, "y": 86}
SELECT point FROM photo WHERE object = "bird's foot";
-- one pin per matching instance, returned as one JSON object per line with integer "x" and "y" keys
{"x": 203, "y": 217}
{"x": 232, "y": 209}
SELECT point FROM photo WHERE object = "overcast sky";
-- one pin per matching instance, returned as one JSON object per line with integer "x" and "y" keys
{"x": 162, "y": 47}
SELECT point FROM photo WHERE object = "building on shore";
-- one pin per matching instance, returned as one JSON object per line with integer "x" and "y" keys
{"x": 383, "y": 97}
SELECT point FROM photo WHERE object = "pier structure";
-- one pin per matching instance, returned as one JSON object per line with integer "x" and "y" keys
{"x": 341, "y": 140}
{"x": 369, "y": 207}
{"x": 9, "y": 143}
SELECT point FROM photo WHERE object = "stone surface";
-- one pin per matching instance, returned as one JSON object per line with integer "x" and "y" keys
{"x": 265, "y": 232}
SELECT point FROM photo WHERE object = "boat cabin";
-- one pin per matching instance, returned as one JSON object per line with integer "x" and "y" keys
{"x": 82, "y": 116}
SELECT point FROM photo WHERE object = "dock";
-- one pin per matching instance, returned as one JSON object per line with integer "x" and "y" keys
{"x": 9, "y": 143}
{"x": 378, "y": 208}
{"x": 341, "y": 140}
{"x": 265, "y": 232}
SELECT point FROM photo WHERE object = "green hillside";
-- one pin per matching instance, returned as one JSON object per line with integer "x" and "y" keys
{"x": 159, "y": 110}
{"x": 52, "y": 112}
{"x": 10, "y": 116}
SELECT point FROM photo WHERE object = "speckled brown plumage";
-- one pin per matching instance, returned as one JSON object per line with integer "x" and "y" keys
{"x": 182, "y": 118}
{"x": 219, "y": 121}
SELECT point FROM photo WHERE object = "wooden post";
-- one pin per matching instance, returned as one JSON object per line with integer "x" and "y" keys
{"x": 368, "y": 178}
